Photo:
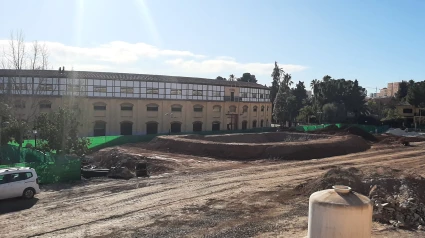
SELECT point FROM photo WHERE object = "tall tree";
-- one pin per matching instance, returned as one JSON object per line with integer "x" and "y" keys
{"x": 58, "y": 131}
{"x": 247, "y": 77}
{"x": 402, "y": 91}
{"x": 284, "y": 104}
{"x": 19, "y": 56}
{"x": 300, "y": 93}
{"x": 416, "y": 94}
{"x": 276, "y": 76}
{"x": 341, "y": 91}
{"x": 232, "y": 77}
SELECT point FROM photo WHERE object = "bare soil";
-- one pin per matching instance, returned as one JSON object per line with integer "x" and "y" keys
{"x": 275, "y": 145}
{"x": 198, "y": 197}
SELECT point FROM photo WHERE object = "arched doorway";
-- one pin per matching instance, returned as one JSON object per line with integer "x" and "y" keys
{"x": 216, "y": 126}
{"x": 176, "y": 127}
{"x": 152, "y": 128}
{"x": 244, "y": 125}
{"x": 99, "y": 128}
{"x": 197, "y": 126}
{"x": 254, "y": 124}
{"x": 126, "y": 128}
{"x": 261, "y": 123}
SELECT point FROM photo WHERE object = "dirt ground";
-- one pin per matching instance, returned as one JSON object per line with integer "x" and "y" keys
{"x": 197, "y": 197}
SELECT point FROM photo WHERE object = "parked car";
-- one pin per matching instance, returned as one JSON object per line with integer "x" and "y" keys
{"x": 18, "y": 182}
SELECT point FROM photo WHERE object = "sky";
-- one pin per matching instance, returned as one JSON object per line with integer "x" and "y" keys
{"x": 374, "y": 41}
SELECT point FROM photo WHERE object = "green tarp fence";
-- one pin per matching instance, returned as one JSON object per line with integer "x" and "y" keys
{"x": 368, "y": 128}
{"x": 50, "y": 168}
{"x": 100, "y": 142}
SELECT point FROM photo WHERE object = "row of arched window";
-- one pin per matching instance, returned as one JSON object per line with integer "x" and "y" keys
{"x": 101, "y": 106}
{"x": 126, "y": 127}
{"x": 178, "y": 107}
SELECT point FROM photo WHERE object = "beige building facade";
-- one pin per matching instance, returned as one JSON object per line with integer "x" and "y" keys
{"x": 137, "y": 104}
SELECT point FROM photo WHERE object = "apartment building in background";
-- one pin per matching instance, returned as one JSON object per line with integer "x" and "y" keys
{"x": 138, "y": 104}
{"x": 392, "y": 89}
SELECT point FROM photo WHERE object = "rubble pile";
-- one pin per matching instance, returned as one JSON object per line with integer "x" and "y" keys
{"x": 398, "y": 199}
{"x": 121, "y": 164}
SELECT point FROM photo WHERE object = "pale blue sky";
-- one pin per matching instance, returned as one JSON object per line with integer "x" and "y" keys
{"x": 374, "y": 41}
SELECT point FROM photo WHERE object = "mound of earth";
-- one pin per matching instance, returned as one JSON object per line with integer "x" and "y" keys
{"x": 393, "y": 139}
{"x": 397, "y": 198}
{"x": 279, "y": 145}
{"x": 352, "y": 130}
{"x": 350, "y": 177}
{"x": 123, "y": 163}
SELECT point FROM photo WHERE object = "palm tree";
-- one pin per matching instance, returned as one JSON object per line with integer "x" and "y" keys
{"x": 232, "y": 77}
{"x": 313, "y": 83}
{"x": 287, "y": 80}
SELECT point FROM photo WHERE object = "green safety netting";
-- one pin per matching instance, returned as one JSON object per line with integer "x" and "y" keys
{"x": 51, "y": 168}
{"x": 99, "y": 142}
{"x": 368, "y": 128}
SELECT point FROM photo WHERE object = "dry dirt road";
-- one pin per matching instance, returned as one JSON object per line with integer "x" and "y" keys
{"x": 232, "y": 199}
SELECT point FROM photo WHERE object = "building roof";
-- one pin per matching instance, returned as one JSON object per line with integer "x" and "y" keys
{"x": 403, "y": 103}
{"x": 124, "y": 76}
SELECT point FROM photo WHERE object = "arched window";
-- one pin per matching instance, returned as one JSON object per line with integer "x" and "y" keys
{"x": 126, "y": 128}
{"x": 232, "y": 109}
{"x": 262, "y": 108}
{"x": 197, "y": 126}
{"x": 261, "y": 123}
{"x": 45, "y": 105}
{"x": 176, "y": 127}
{"x": 176, "y": 108}
{"x": 99, "y": 128}
{"x": 245, "y": 109}
{"x": 152, "y": 107}
{"x": 198, "y": 108}
{"x": 151, "y": 127}
{"x": 126, "y": 107}
{"x": 244, "y": 125}
{"x": 216, "y": 126}
{"x": 254, "y": 124}
{"x": 99, "y": 106}
{"x": 254, "y": 109}
{"x": 267, "y": 108}
{"x": 216, "y": 108}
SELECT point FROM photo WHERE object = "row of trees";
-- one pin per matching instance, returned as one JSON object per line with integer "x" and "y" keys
{"x": 246, "y": 77}
{"x": 20, "y": 104}
{"x": 333, "y": 100}
{"x": 337, "y": 100}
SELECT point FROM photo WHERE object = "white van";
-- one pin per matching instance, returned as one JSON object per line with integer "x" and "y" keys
{"x": 18, "y": 182}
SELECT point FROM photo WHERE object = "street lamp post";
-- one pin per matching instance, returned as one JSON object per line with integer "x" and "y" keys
{"x": 34, "y": 131}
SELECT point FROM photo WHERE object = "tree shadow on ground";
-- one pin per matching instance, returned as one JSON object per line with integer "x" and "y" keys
{"x": 16, "y": 205}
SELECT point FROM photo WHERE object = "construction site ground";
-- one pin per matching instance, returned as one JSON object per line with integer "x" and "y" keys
{"x": 197, "y": 197}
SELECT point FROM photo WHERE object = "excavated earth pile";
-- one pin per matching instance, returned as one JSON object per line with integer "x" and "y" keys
{"x": 397, "y": 198}
{"x": 123, "y": 164}
{"x": 274, "y": 145}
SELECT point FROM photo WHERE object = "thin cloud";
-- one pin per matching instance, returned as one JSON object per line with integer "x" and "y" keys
{"x": 119, "y": 56}
{"x": 222, "y": 65}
